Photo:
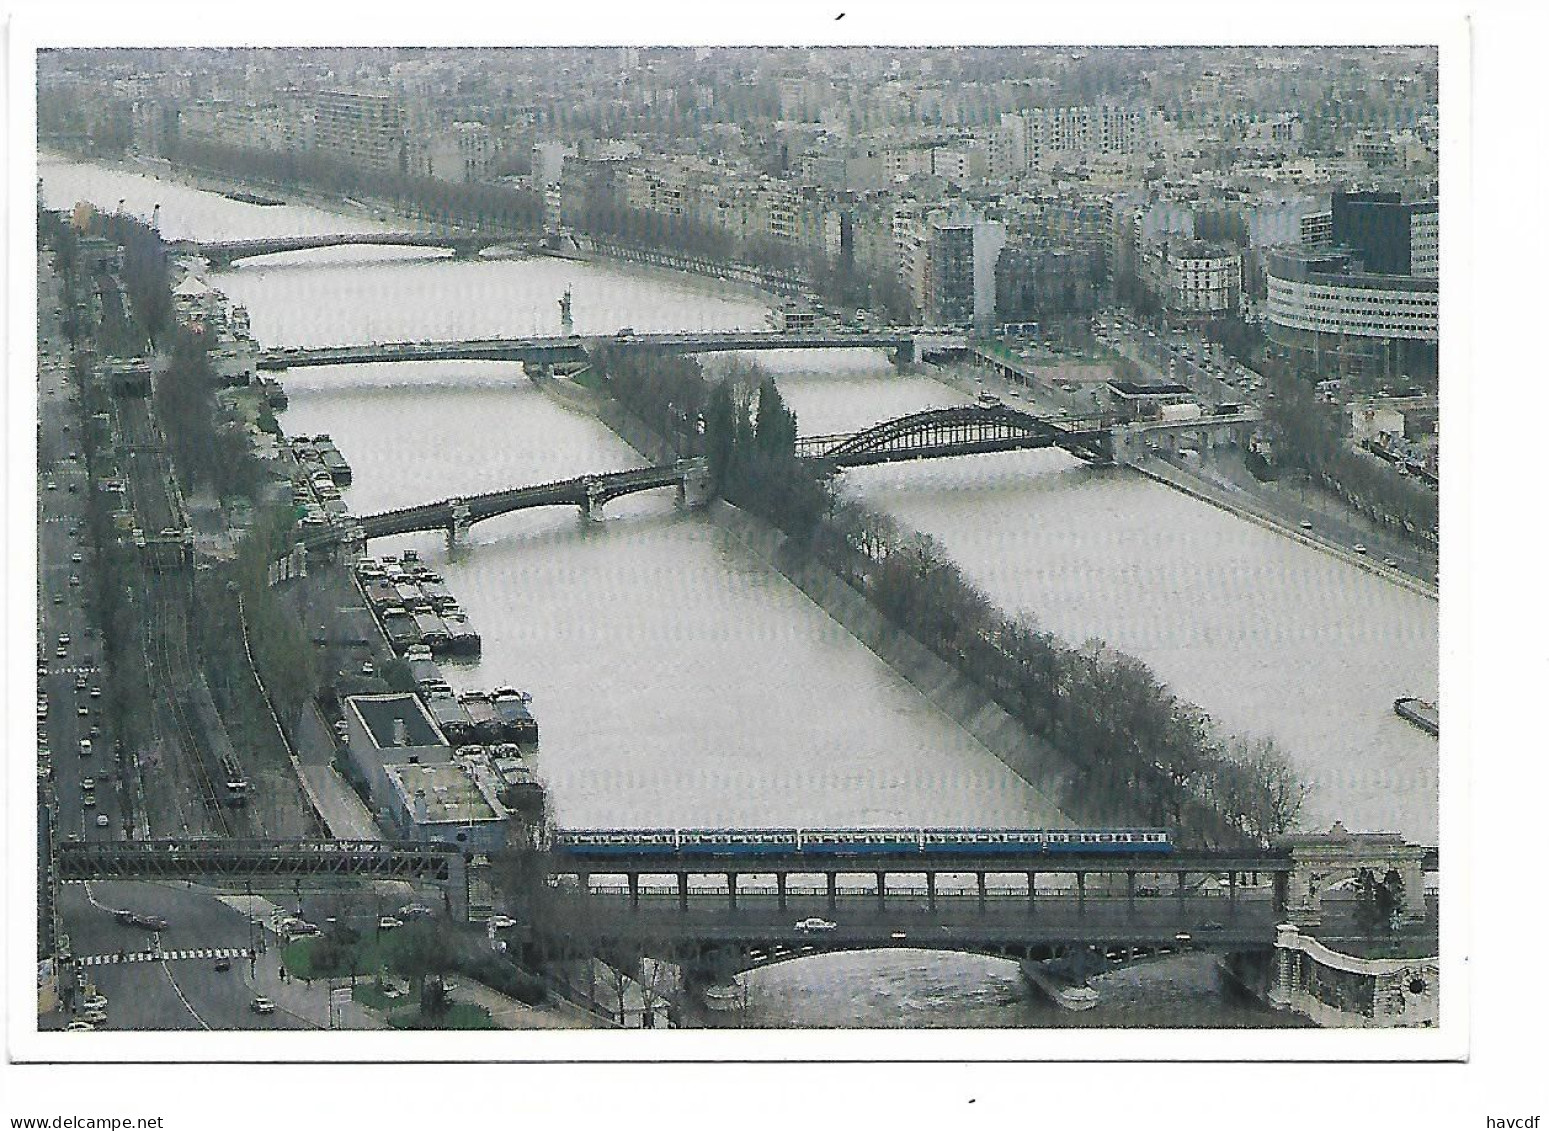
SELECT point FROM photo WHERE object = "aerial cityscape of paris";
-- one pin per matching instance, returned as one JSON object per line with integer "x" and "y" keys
{"x": 824, "y": 543}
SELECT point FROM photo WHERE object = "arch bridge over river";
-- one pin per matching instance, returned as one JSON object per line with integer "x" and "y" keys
{"x": 935, "y": 434}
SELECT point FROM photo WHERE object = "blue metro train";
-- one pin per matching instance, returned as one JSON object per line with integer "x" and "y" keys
{"x": 615, "y": 843}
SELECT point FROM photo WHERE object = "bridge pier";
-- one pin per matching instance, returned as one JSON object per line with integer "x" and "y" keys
{"x": 1032, "y": 888}
{"x": 1129, "y": 890}
{"x": 833, "y": 891}
{"x": 930, "y": 891}
{"x": 682, "y": 891}
{"x": 634, "y": 891}
{"x": 694, "y": 486}
{"x": 982, "y": 893}
{"x": 1081, "y": 893}
{"x": 780, "y": 888}
{"x": 1183, "y": 879}
{"x": 731, "y": 889}
{"x": 881, "y": 891}
{"x": 591, "y": 508}
{"x": 903, "y": 356}
{"x": 457, "y": 529}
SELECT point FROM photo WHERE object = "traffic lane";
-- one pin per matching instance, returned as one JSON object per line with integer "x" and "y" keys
{"x": 196, "y": 920}
{"x": 141, "y": 996}
{"x": 1159, "y": 916}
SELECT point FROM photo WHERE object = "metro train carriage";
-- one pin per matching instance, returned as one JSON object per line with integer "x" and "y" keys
{"x": 855, "y": 842}
{"x": 735, "y": 842}
{"x": 858, "y": 842}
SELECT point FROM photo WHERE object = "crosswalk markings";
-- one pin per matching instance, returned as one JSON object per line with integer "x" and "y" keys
{"x": 163, "y": 956}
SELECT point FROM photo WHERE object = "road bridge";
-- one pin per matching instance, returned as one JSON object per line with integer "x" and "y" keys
{"x": 223, "y": 253}
{"x": 551, "y": 349}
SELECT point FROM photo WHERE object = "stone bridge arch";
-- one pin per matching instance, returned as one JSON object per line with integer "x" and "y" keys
{"x": 1322, "y": 860}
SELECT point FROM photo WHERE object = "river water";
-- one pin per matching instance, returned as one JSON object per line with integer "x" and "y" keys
{"x": 679, "y": 681}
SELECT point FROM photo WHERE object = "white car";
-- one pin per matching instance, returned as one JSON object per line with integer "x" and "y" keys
{"x": 388, "y": 923}
{"x": 814, "y": 925}
{"x": 102, "y": 820}
{"x": 262, "y": 1005}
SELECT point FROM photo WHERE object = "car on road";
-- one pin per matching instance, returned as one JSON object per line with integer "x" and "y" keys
{"x": 1360, "y": 548}
{"x": 388, "y": 923}
{"x": 89, "y": 799}
{"x": 95, "y": 1002}
{"x": 88, "y": 783}
{"x": 80, "y": 683}
{"x": 102, "y": 820}
{"x": 80, "y": 1027}
{"x": 418, "y": 911}
{"x": 64, "y": 638}
{"x": 1212, "y": 925}
{"x": 61, "y": 652}
{"x": 1391, "y": 563}
{"x": 59, "y": 598}
{"x": 1306, "y": 525}
{"x": 74, "y": 579}
{"x": 96, "y": 693}
{"x": 367, "y": 668}
{"x": 814, "y": 925}
{"x": 85, "y": 748}
{"x": 83, "y": 710}
{"x": 75, "y": 558}
{"x": 222, "y": 965}
{"x": 149, "y": 922}
{"x": 262, "y": 1005}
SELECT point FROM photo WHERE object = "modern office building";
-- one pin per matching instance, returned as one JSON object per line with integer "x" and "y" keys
{"x": 1332, "y": 317}
{"x": 961, "y": 251}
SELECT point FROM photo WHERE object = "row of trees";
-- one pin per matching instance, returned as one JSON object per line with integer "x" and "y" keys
{"x": 489, "y": 207}
{"x": 1137, "y": 750}
{"x": 507, "y": 208}
{"x": 1310, "y": 435}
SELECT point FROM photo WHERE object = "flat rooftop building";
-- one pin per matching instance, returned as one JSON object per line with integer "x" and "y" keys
{"x": 453, "y": 802}
{"x": 394, "y": 730}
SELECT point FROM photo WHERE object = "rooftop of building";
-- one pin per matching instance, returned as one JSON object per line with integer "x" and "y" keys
{"x": 381, "y": 713}
{"x": 453, "y": 793}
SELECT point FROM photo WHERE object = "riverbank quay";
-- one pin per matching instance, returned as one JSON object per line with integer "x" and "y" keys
{"x": 1251, "y": 510}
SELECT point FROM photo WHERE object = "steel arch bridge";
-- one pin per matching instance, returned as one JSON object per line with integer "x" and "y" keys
{"x": 962, "y": 430}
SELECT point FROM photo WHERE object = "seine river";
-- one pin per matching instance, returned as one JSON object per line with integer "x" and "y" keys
{"x": 678, "y": 681}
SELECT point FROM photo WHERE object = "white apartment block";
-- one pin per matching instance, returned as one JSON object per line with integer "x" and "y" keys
{"x": 461, "y": 153}
{"x": 1058, "y": 133}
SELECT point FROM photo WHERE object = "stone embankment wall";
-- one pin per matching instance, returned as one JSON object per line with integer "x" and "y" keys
{"x": 1029, "y": 757}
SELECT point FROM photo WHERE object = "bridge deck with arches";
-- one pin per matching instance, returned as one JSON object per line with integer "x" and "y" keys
{"x": 551, "y": 348}
{"x": 223, "y": 253}
{"x": 934, "y": 434}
